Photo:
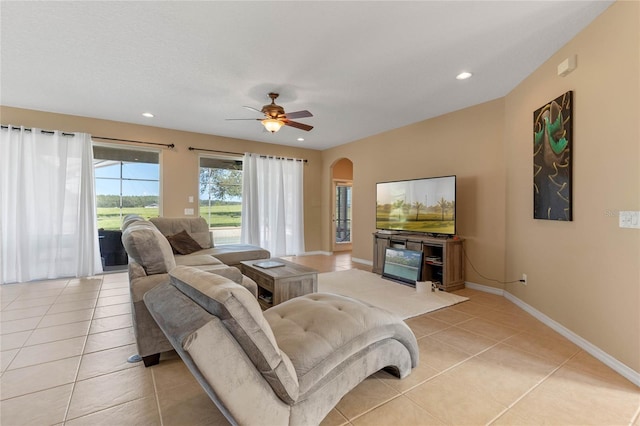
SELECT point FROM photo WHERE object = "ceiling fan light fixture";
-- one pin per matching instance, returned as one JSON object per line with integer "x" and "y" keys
{"x": 272, "y": 124}
{"x": 464, "y": 75}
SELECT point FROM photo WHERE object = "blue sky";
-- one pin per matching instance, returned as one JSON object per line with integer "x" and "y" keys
{"x": 129, "y": 187}
{"x": 108, "y": 180}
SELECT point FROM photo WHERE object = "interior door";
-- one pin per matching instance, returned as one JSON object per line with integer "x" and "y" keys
{"x": 342, "y": 216}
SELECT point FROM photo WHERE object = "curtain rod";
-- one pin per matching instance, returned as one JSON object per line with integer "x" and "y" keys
{"x": 168, "y": 145}
{"x": 191, "y": 148}
{"x": 47, "y": 132}
{"x": 51, "y": 132}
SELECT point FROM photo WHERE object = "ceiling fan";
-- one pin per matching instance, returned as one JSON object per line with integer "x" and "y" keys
{"x": 276, "y": 117}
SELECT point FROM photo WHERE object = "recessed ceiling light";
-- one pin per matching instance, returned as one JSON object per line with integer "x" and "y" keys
{"x": 147, "y": 114}
{"x": 464, "y": 75}
{"x": 300, "y": 139}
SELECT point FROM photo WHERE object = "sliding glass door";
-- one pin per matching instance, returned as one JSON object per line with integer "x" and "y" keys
{"x": 221, "y": 197}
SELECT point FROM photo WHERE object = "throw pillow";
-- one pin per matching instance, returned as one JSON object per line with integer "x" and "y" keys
{"x": 182, "y": 243}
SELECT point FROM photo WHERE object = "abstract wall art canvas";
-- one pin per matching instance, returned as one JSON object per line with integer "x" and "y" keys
{"x": 552, "y": 165}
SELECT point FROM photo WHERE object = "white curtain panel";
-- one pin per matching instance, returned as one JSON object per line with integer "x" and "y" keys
{"x": 47, "y": 206}
{"x": 272, "y": 204}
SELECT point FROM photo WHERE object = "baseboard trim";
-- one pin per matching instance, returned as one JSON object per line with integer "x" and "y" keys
{"x": 328, "y": 253}
{"x": 313, "y": 253}
{"x": 485, "y": 288}
{"x": 363, "y": 261}
{"x": 619, "y": 367}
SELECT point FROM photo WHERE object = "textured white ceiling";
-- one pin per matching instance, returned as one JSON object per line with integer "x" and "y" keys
{"x": 360, "y": 67}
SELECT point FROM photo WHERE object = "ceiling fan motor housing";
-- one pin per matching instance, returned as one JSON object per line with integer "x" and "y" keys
{"x": 273, "y": 110}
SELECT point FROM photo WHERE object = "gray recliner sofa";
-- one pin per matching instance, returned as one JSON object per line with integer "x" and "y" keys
{"x": 288, "y": 365}
{"x": 151, "y": 258}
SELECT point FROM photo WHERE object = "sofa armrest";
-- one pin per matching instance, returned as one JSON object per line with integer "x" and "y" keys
{"x": 139, "y": 286}
{"x": 250, "y": 285}
{"x": 135, "y": 270}
{"x": 233, "y": 273}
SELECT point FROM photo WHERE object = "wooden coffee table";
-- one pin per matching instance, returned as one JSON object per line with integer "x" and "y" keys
{"x": 280, "y": 283}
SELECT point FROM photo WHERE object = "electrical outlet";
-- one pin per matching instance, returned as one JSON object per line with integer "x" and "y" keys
{"x": 524, "y": 279}
{"x": 630, "y": 219}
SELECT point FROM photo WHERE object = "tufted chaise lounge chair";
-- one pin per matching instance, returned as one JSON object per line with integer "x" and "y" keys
{"x": 287, "y": 366}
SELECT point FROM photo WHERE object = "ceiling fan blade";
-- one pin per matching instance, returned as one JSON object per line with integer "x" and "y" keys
{"x": 251, "y": 108}
{"x": 298, "y": 114}
{"x": 297, "y": 125}
{"x": 252, "y": 119}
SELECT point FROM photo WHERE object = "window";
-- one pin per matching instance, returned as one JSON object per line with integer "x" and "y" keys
{"x": 221, "y": 197}
{"x": 127, "y": 182}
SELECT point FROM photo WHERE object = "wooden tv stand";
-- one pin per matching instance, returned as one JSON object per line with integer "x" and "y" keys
{"x": 443, "y": 257}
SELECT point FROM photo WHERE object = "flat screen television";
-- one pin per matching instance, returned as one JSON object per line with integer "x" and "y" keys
{"x": 425, "y": 205}
{"x": 402, "y": 265}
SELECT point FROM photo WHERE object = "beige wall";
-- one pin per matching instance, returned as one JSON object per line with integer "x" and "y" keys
{"x": 584, "y": 274}
{"x": 438, "y": 147}
{"x": 179, "y": 166}
{"x": 343, "y": 169}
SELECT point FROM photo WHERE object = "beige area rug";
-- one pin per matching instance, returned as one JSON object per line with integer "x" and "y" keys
{"x": 399, "y": 299}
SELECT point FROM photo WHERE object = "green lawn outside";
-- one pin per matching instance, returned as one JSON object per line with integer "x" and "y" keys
{"x": 226, "y": 215}
{"x": 110, "y": 217}
{"x": 221, "y": 216}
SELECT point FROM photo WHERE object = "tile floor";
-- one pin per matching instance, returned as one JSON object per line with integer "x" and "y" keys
{"x": 64, "y": 345}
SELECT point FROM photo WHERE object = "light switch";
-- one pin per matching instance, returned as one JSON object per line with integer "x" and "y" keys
{"x": 191, "y": 198}
{"x": 630, "y": 219}
{"x": 188, "y": 212}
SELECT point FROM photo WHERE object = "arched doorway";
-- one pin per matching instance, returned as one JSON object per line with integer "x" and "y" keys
{"x": 341, "y": 219}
